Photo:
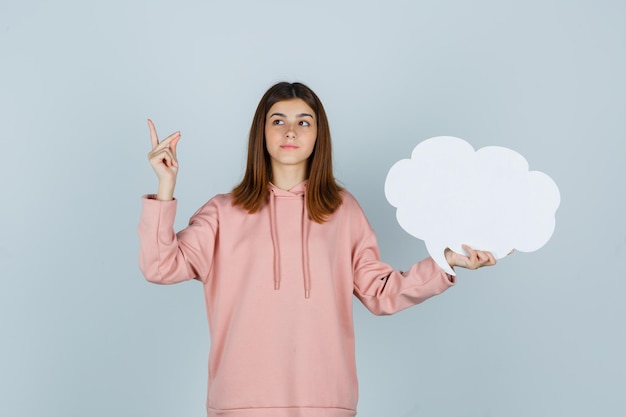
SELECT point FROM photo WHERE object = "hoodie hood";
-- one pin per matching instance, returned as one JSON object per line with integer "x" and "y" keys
{"x": 297, "y": 192}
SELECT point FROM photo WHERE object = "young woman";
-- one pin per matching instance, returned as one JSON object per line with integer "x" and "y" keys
{"x": 279, "y": 259}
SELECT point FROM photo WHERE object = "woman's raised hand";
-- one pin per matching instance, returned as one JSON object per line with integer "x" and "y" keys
{"x": 162, "y": 157}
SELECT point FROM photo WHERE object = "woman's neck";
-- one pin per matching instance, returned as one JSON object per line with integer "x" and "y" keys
{"x": 286, "y": 178}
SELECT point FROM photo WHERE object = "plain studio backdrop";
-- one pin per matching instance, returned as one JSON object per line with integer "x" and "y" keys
{"x": 82, "y": 333}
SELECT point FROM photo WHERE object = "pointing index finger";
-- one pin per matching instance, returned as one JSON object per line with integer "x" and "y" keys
{"x": 153, "y": 134}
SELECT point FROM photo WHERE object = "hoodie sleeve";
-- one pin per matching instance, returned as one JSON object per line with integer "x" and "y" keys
{"x": 382, "y": 289}
{"x": 166, "y": 257}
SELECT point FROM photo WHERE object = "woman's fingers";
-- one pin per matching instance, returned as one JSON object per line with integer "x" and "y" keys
{"x": 169, "y": 145}
{"x": 162, "y": 158}
{"x": 162, "y": 155}
{"x": 153, "y": 134}
{"x": 166, "y": 143}
{"x": 471, "y": 255}
{"x": 477, "y": 258}
{"x": 165, "y": 151}
{"x": 154, "y": 138}
{"x": 172, "y": 148}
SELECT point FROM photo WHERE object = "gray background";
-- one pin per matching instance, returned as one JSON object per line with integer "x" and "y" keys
{"x": 541, "y": 334}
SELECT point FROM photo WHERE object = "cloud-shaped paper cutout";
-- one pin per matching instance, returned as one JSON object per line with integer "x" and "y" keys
{"x": 448, "y": 195}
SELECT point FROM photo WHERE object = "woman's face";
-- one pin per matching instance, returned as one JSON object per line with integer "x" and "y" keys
{"x": 290, "y": 133}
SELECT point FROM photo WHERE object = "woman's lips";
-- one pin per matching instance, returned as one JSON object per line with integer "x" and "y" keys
{"x": 288, "y": 147}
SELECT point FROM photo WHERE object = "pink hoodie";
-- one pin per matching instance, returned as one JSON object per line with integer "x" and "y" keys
{"x": 278, "y": 290}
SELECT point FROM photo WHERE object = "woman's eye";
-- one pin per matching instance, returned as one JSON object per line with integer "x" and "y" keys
{"x": 304, "y": 123}
{"x": 277, "y": 122}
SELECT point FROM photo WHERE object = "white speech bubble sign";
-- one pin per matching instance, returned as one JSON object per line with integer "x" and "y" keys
{"x": 449, "y": 195}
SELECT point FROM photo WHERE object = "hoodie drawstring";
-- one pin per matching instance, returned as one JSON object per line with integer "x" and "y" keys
{"x": 306, "y": 226}
{"x": 274, "y": 233}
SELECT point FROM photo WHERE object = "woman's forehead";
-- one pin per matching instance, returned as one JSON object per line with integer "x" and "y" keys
{"x": 291, "y": 107}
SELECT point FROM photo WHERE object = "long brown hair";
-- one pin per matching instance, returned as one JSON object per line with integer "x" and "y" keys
{"x": 323, "y": 194}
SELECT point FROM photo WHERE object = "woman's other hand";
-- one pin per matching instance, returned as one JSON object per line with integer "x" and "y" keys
{"x": 474, "y": 260}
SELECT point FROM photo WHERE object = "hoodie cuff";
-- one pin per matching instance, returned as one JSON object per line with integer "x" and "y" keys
{"x": 449, "y": 279}
{"x": 154, "y": 197}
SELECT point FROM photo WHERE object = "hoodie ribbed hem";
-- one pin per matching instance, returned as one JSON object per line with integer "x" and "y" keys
{"x": 282, "y": 412}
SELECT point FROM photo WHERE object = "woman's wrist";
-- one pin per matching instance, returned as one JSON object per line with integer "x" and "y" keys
{"x": 166, "y": 191}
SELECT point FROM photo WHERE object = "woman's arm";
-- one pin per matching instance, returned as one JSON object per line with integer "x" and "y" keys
{"x": 166, "y": 257}
{"x": 384, "y": 290}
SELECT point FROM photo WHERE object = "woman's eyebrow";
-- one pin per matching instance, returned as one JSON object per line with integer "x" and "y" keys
{"x": 297, "y": 115}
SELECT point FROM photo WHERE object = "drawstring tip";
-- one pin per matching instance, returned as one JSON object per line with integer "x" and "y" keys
{"x": 276, "y": 285}
{"x": 307, "y": 293}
